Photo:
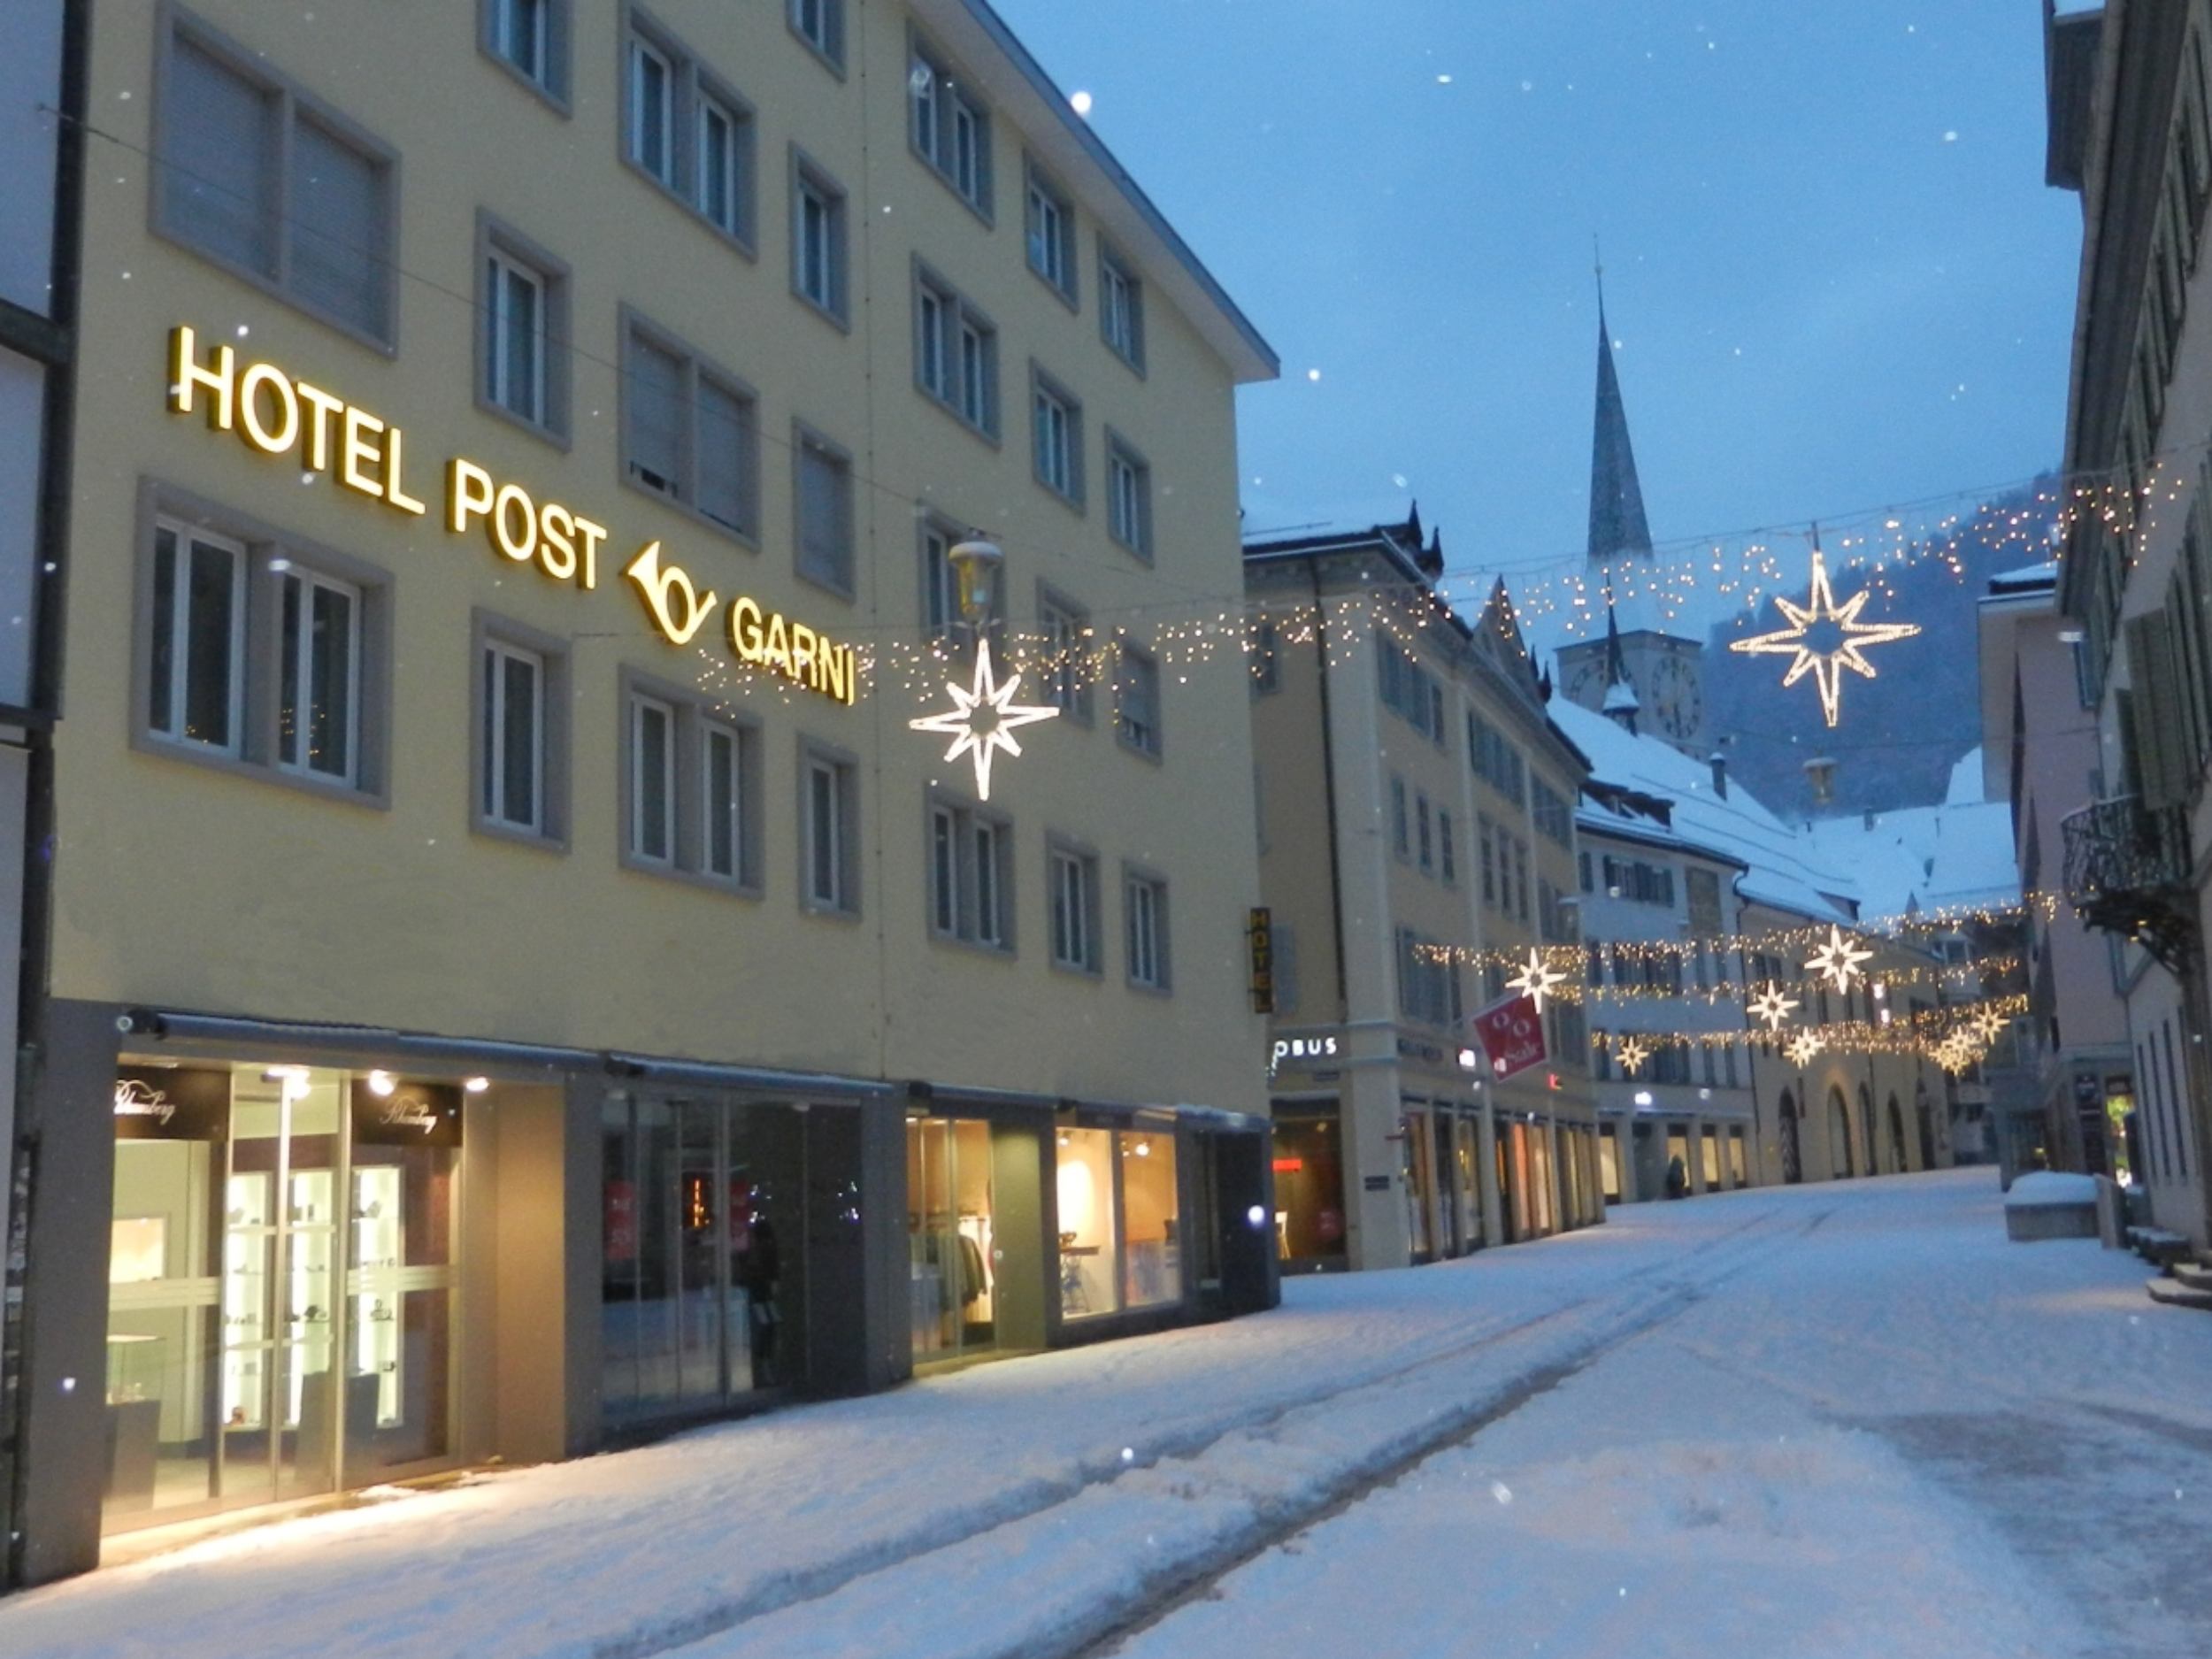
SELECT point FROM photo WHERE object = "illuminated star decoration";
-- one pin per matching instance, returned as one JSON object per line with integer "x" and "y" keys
{"x": 1852, "y": 637}
{"x": 982, "y": 719}
{"x": 1632, "y": 1055}
{"x": 1535, "y": 981}
{"x": 1989, "y": 1025}
{"x": 1772, "y": 1006}
{"x": 1839, "y": 960}
{"x": 1802, "y": 1047}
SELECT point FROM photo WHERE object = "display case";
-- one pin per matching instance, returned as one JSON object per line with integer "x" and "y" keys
{"x": 310, "y": 1246}
{"x": 379, "y": 1238}
{"x": 249, "y": 1237}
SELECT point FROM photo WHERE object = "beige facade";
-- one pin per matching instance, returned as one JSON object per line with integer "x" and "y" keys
{"x": 1403, "y": 757}
{"x": 519, "y": 453}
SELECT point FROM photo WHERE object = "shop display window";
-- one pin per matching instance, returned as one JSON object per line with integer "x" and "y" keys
{"x": 1152, "y": 1258}
{"x": 1709, "y": 1153}
{"x": 1089, "y": 1239}
{"x": 1308, "y": 1188}
{"x": 952, "y": 1250}
{"x": 1738, "y": 1174}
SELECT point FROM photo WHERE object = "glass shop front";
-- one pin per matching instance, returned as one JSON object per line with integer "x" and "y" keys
{"x": 282, "y": 1285}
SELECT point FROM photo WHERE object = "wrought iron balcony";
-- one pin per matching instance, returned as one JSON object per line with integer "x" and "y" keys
{"x": 2127, "y": 872}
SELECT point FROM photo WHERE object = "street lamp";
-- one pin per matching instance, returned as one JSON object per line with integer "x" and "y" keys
{"x": 977, "y": 562}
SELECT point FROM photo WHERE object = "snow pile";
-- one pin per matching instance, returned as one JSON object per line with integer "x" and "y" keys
{"x": 2046, "y": 1187}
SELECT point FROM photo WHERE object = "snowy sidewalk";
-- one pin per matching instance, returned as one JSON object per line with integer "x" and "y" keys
{"x": 1030, "y": 1507}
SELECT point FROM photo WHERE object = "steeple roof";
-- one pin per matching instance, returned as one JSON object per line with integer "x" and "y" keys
{"x": 1617, "y": 526}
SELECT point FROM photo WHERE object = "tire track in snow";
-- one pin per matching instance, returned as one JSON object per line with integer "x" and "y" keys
{"x": 874, "y": 1570}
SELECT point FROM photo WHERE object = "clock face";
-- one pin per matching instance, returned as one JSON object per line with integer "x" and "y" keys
{"x": 1582, "y": 683}
{"x": 1679, "y": 703}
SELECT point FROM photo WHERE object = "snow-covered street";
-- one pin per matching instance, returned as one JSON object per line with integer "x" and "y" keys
{"x": 1824, "y": 1421}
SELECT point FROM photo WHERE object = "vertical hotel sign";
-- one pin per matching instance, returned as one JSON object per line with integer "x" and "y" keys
{"x": 1263, "y": 934}
{"x": 276, "y": 414}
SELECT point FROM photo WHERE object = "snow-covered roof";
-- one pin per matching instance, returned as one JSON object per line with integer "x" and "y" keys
{"x": 1926, "y": 858}
{"x": 1783, "y": 869}
{"x": 1966, "y": 788}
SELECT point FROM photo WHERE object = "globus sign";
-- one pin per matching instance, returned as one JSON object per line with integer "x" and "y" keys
{"x": 1512, "y": 1034}
{"x": 277, "y": 414}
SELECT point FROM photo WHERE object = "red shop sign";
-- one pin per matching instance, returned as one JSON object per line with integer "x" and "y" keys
{"x": 1512, "y": 1034}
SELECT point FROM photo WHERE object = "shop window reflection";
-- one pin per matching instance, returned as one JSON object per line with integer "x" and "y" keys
{"x": 1153, "y": 1269}
{"x": 1089, "y": 1284}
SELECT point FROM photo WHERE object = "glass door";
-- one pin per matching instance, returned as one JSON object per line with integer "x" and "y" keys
{"x": 950, "y": 1239}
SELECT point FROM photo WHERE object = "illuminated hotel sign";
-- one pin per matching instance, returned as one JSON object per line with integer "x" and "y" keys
{"x": 275, "y": 414}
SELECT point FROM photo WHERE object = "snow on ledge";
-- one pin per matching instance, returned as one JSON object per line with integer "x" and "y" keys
{"x": 2048, "y": 1187}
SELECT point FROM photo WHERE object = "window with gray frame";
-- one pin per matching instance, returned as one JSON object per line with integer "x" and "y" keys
{"x": 823, "y": 504}
{"x": 821, "y": 24}
{"x": 1401, "y": 820}
{"x": 1128, "y": 497}
{"x": 1137, "y": 701}
{"x": 1446, "y": 855}
{"x": 523, "y": 329}
{"x": 514, "y": 730}
{"x": 531, "y": 38}
{"x": 956, "y": 352}
{"x": 940, "y": 583}
{"x": 829, "y": 831}
{"x": 1057, "y": 436}
{"x": 1120, "y": 308}
{"x": 1144, "y": 901}
{"x": 269, "y": 181}
{"x": 691, "y": 787}
{"x": 260, "y": 653}
{"x": 688, "y": 130}
{"x": 1048, "y": 225}
{"x": 949, "y": 127}
{"x": 1065, "y": 670}
{"x": 971, "y": 874}
{"x": 818, "y": 239}
{"x": 690, "y": 430}
{"x": 1073, "y": 878}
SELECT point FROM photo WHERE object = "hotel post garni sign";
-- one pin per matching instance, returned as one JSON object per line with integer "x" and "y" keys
{"x": 277, "y": 414}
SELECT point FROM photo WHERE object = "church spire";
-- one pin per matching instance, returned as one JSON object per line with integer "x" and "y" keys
{"x": 1617, "y": 526}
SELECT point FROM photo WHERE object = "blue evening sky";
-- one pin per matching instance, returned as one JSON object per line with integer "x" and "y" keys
{"x": 1836, "y": 275}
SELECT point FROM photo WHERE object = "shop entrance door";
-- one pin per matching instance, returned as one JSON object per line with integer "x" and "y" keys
{"x": 278, "y": 1407}
{"x": 951, "y": 1280}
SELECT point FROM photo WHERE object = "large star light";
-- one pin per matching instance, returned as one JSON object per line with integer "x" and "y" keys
{"x": 981, "y": 720}
{"x": 1839, "y": 623}
{"x": 1632, "y": 1055}
{"x": 1771, "y": 1006}
{"x": 1802, "y": 1047}
{"x": 1535, "y": 981}
{"x": 1837, "y": 961}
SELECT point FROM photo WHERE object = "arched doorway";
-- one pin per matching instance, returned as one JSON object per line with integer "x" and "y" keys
{"x": 1793, "y": 1166}
{"x": 1866, "y": 1128}
{"x": 1841, "y": 1164}
{"x": 1897, "y": 1136}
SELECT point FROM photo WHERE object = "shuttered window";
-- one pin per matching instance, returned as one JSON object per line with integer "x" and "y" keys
{"x": 218, "y": 156}
{"x": 727, "y": 462}
{"x": 338, "y": 225}
{"x": 824, "y": 513}
{"x": 655, "y": 392}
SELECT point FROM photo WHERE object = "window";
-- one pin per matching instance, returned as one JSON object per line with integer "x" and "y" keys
{"x": 1427, "y": 985}
{"x": 1447, "y": 861}
{"x": 1144, "y": 901}
{"x": 1488, "y": 837}
{"x": 1408, "y": 688}
{"x": 691, "y": 787}
{"x": 829, "y": 838}
{"x": 531, "y": 38}
{"x": 1553, "y": 821}
{"x": 197, "y": 667}
{"x": 1520, "y": 878}
{"x": 258, "y": 653}
{"x": 823, "y": 502}
{"x": 522, "y": 312}
{"x": 653, "y": 112}
{"x": 318, "y": 674}
{"x": 970, "y": 875}
{"x": 266, "y": 181}
{"x": 689, "y": 430}
{"x": 956, "y": 352}
{"x": 724, "y": 179}
{"x": 1066, "y": 668}
{"x": 1425, "y": 835}
{"x": 1128, "y": 497}
{"x": 818, "y": 239}
{"x": 1137, "y": 701}
{"x": 652, "y": 779}
{"x": 1049, "y": 226}
{"x": 1495, "y": 760}
{"x": 1073, "y": 881}
{"x": 1057, "y": 430}
{"x": 1120, "y": 308}
{"x": 821, "y": 24}
{"x": 950, "y": 129}
{"x": 513, "y": 713}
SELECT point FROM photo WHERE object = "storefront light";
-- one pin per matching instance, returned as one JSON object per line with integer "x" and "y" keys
{"x": 1643, "y": 1097}
{"x": 382, "y": 1082}
{"x": 477, "y": 1085}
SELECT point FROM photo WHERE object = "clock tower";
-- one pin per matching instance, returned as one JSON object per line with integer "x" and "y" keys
{"x": 1662, "y": 672}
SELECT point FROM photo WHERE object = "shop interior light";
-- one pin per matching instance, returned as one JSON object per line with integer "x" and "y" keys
{"x": 477, "y": 1085}
{"x": 1144, "y": 1149}
{"x": 382, "y": 1082}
